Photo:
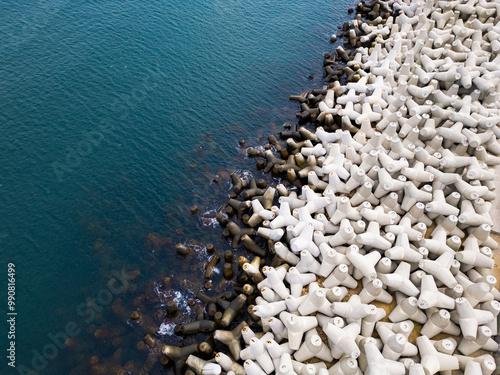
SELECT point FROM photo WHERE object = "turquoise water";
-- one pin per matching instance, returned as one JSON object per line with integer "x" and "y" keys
{"x": 114, "y": 118}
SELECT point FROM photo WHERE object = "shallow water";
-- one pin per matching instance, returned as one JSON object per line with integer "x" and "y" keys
{"x": 115, "y": 117}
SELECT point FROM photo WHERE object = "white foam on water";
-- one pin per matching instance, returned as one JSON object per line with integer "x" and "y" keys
{"x": 166, "y": 329}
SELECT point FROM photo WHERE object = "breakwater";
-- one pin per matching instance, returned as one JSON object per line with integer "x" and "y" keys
{"x": 374, "y": 254}
{"x": 378, "y": 240}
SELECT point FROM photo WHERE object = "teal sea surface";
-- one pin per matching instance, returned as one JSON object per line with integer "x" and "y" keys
{"x": 115, "y": 118}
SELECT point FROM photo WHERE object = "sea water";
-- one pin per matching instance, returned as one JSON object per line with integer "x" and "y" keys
{"x": 115, "y": 117}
